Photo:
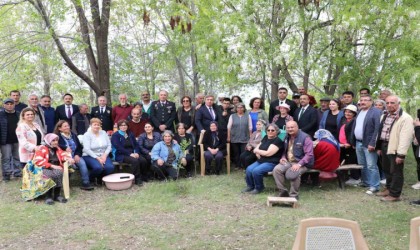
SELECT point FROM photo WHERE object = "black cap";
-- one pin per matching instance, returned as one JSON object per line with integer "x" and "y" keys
{"x": 7, "y": 100}
{"x": 295, "y": 95}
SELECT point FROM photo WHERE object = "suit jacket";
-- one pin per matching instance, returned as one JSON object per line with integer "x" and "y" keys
{"x": 203, "y": 118}
{"x": 371, "y": 126}
{"x": 163, "y": 115}
{"x": 61, "y": 113}
{"x": 273, "y": 111}
{"x": 106, "y": 117}
{"x": 308, "y": 121}
{"x": 80, "y": 123}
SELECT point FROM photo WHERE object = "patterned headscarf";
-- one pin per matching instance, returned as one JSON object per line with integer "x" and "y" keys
{"x": 325, "y": 135}
{"x": 48, "y": 138}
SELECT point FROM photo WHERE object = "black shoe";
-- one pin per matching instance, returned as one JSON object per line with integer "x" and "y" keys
{"x": 61, "y": 199}
{"x": 284, "y": 193}
{"x": 138, "y": 182}
{"x": 255, "y": 191}
{"x": 415, "y": 203}
{"x": 87, "y": 187}
{"x": 247, "y": 189}
{"x": 6, "y": 178}
{"x": 296, "y": 197}
{"x": 17, "y": 175}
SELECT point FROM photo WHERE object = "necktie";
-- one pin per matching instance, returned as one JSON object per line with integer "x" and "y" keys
{"x": 211, "y": 113}
{"x": 301, "y": 113}
{"x": 102, "y": 110}
{"x": 281, "y": 102}
{"x": 68, "y": 112}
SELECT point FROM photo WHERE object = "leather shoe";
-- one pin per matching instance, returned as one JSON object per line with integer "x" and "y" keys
{"x": 284, "y": 193}
{"x": 390, "y": 198}
{"x": 383, "y": 193}
{"x": 255, "y": 191}
{"x": 247, "y": 189}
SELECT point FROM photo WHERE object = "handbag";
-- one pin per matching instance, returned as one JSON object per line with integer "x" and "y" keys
{"x": 282, "y": 133}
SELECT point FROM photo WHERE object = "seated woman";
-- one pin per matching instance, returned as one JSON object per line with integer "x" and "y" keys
{"x": 215, "y": 148}
{"x": 126, "y": 149}
{"x": 147, "y": 140}
{"x": 326, "y": 153}
{"x": 51, "y": 157}
{"x": 268, "y": 152}
{"x": 69, "y": 142}
{"x": 96, "y": 149}
{"x": 248, "y": 157}
{"x": 185, "y": 140}
{"x": 165, "y": 157}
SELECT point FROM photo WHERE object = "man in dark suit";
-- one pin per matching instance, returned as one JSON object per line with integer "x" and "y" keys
{"x": 66, "y": 110}
{"x": 103, "y": 113}
{"x": 306, "y": 116}
{"x": 282, "y": 94}
{"x": 163, "y": 113}
{"x": 206, "y": 114}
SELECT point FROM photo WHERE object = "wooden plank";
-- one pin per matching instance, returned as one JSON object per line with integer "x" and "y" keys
{"x": 282, "y": 200}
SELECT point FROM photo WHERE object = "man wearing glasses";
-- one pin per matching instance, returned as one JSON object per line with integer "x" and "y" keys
{"x": 282, "y": 94}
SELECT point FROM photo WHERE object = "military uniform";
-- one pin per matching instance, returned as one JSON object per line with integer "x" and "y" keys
{"x": 163, "y": 113}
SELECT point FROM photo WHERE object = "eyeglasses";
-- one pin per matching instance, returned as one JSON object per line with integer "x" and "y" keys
{"x": 271, "y": 130}
{"x": 185, "y": 100}
{"x": 390, "y": 102}
{"x": 145, "y": 95}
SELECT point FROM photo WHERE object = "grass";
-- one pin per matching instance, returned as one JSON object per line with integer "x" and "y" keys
{"x": 199, "y": 213}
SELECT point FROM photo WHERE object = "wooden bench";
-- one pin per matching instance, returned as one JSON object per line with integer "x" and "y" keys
{"x": 282, "y": 200}
{"x": 340, "y": 171}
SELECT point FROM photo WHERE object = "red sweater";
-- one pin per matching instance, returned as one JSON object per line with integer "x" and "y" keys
{"x": 121, "y": 113}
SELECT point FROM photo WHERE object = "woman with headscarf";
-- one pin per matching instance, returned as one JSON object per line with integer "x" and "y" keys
{"x": 214, "y": 148}
{"x": 51, "y": 158}
{"x": 326, "y": 151}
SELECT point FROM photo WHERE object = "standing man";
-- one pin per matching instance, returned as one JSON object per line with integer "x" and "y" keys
{"x": 49, "y": 112}
{"x": 9, "y": 144}
{"x": 384, "y": 94}
{"x": 39, "y": 113}
{"x": 306, "y": 116}
{"x": 223, "y": 114}
{"x": 15, "y": 95}
{"x": 103, "y": 113}
{"x": 348, "y": 98}
{"x": 364, "y": 136}
{"x": 394, "y": 140}
{"x": 282, "y": 95}
{"x": 364, "y": 91}
{"x": 206, "y": 114}
{"x": 298, "y": 156}
{"x": 302, "y": 91}
{"x": 199, "y": 100}
{"x": 325, "y": 102}
{"x": 146, "y": 101}
{"x": 81, "y": 120}
{"x": 163, "y": 113}
{"x": 122, "y": 110}
{"x": 66, "y": 110}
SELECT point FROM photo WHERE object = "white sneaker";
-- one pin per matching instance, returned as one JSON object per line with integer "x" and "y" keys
{"x": 416, "y": 186}
{"x": 352, "y": 182}
{"x": 372, "y": 191}
{"x": 383, "y": 181}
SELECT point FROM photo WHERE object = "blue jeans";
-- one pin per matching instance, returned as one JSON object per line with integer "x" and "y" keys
{"x": 10, "y": 159}
{"x": 96, "y": 169}
{"x": 370, "y": 171}
{"x": 84, "y": 172}
{"x": 255, "y": 174}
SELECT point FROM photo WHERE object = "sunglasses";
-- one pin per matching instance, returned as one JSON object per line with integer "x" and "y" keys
{"x": 271, "y": 130}
{"x": 185, "y": 100}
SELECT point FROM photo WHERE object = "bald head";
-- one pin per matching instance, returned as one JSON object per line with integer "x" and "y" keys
{"x": 392, "y": 103}
{"x": 292, "y": 128}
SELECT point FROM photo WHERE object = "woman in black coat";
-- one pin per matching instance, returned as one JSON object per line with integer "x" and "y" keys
{"x": 214, "y": 148}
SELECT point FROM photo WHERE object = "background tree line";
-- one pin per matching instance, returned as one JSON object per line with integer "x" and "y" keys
{"x": 188, "y": 46}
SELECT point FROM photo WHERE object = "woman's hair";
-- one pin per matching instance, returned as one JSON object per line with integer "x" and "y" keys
{"x": 148, "y": 123}
{"x": 23, "y": 112}
{"x": 187, "y": 97}
{"x": 95, "y": 120}
{"x": 179, "y": 125}
{"x": 251, "y": 103}
{"x": 137, "y": 103}
{"x": 168, "y": 132}
{"x": 59, "y": 125}
{"x": 121, "y": 122}
{"x": 240, "y": 104}
{"x": 337, "y": 101}
{"x": 273, "y": 125}
{"x": 236, "y": 96}
{"x": 380, "y": 101}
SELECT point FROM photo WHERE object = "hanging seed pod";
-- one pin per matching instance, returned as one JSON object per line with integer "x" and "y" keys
{"x": 146, "y": 18}
{"x": 189, "y": 27}
{"x": 172, "y": 23}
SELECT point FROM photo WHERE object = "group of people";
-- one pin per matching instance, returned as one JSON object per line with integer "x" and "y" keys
{"x": 157, "y": 139}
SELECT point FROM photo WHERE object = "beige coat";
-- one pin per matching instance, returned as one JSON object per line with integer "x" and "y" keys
{"x": 27, "y": 140}
{"x": 401, "y": 135}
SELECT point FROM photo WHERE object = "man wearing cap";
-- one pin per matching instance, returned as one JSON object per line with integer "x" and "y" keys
{"x": 295, "y": 98}
{"x": 282, "y": 94}
{"x": 66, "y": 110}
{"x": 394, "y": 139}
{"x": 325, "y": 101}
{"x": 9, "y": 145}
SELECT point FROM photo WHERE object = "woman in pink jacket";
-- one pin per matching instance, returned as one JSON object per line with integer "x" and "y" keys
{"x": 29, "y": 135}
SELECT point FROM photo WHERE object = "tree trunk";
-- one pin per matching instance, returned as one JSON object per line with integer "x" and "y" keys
{"x": 275, "y": 75}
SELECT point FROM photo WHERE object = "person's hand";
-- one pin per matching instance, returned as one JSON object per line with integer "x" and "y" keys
{"x": 189, "y": 131}
{"x": 76, "y": 159}
{"x": 295, "y": 167}
{"x": 198, "y": 106}
{"x": 371, "y": 149}
{"x": 184, "y": 161}
{"x": 160, "y": 162}
{"x": 347, "y": 145}
{"x": 283, "y": 161}
{"x": 379, "y": 152}
{"x": 203, "y": 131}
{"x": 71, "y": 161}
{"x": 249, "y": 148}
{"x": 101, "y": 161}
{"x": 162, "y": 127}
{"x": 135, "y": 155}
{"x": 416, "y": 122}
{"x": 399, "y": 160}
{"x": 56, "y": 167}
{"x": 68, "y": 149}
{"x": 258, "y": 156}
